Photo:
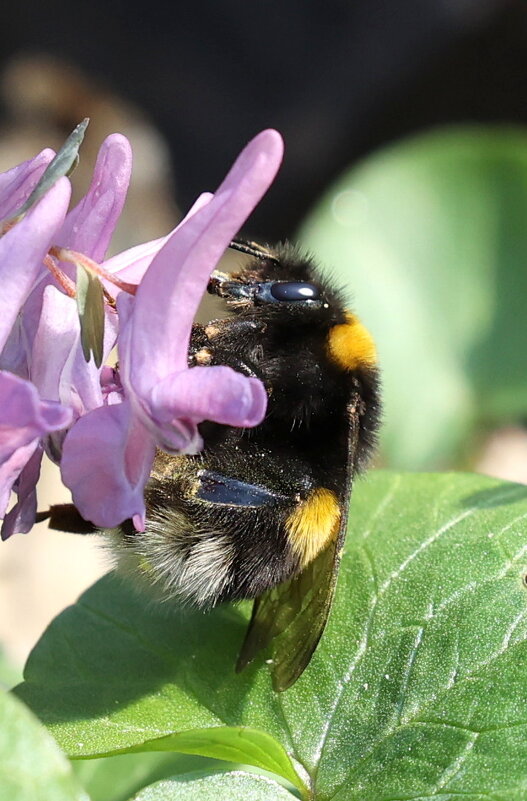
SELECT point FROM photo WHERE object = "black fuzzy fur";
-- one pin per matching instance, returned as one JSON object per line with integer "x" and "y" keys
{"x": 301, "y": 445}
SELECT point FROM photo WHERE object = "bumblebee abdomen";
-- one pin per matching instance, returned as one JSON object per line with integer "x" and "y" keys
{"x": 176, "y": 560}
{"x": 313, "y": 524}
{"x": 212, "y": 537}
{"x": 202, "y": 555}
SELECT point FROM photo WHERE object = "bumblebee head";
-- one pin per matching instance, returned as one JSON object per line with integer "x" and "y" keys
{"x": 287, "y": 289}
{"x": 279, "y": 284}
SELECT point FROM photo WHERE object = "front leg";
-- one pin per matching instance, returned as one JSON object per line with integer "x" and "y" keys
{"x": 232, "y": 342}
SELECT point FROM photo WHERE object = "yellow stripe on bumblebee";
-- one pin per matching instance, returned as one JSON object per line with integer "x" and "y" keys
{"x": 351, "y": 345}
{"x": 313, "y": 524}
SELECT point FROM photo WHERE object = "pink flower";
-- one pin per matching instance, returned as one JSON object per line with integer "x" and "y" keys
{"x": 39, "y": 327}
{"x": 17, "y": 184}
{"x": 164, "y": 400}
{"x": 104, "y": 426}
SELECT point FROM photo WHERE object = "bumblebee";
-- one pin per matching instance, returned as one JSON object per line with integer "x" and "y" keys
{"x": 261, "y": 513}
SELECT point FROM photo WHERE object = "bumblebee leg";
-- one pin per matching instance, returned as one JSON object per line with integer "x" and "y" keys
{"x": 218, "y": 341}
{"x": 65, "y": 517}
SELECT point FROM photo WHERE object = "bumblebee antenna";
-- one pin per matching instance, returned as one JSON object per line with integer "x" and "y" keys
{"x": 253, "y": 249}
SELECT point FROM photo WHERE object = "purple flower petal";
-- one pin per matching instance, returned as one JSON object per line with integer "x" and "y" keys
{"x": 22, "y": 250}
{"x": 89, "y": 226}
{"x": 10, "y": 470}
{"x": 13, "y": 357}
{"x": 59, "y": 370}
{"x": 55, "y": 369}
{"x": 155, "y": 332}
{"x": 17, "y": 184}
{"x": 172, "y": 288}
{"x": 106, "y": 461}
{"x": 57, "y": 334}
{"x": 132, "y": 264}
{"x": 108, "y": 453}
{"x": 112, "y": 389}
{"x": 206, "y": 393}
{"x": 85, "y": 377}
{"x": 21, "y": 518}
{"x": 24, "y": 417}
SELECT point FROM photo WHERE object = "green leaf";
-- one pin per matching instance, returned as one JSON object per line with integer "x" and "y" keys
{"x": 158, "y": 680}
{"x": 31, "y": 764}
{"x": 416, "y": 691}
{"x": 232, "y": 744}
{"x": 116, "y": 778}
{"x": 216, "y": 787}
{"x": 64, "y": 162}
{"x": 430, "y": 237}
{"x": 90, "y": 304}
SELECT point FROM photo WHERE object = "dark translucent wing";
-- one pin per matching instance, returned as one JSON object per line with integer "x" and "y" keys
{"x": 216, "y": 488}
{"x": 292, "y": 617}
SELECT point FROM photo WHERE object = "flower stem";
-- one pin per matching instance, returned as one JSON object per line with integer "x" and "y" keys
{"x": 74, "y": 257}
{"x": 66, "y": 283}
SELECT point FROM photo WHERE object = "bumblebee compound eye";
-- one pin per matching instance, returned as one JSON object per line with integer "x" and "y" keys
{"x": 264, "y": 291}
{"x": 287, "y": 292}
{"x": 294, "y": 290}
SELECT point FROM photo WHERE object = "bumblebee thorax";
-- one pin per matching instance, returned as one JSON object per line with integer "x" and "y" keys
{"x": 350, "y": 345}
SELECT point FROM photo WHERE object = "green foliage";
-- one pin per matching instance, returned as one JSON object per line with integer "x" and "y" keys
{"x": 220, "y": 787}
{"x": 63, "y": 163}
{"x": 90, "y": 304}
{"x": 31, "y": 765}
{"x": 430, "y": 236}
{"x": 232, "y": 744}
{"x": 117, "y": 778}
{"x": 416, "y": 691}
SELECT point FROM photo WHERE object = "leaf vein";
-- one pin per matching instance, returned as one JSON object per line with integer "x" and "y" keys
{"x": 406, "y": 678}
{"x": 455, "y": 767}
{"x": 380, "y": 507}
{"x": 412, "y": 720}
{"x": 510, "y": 524}
{"x": 341, "y": 686}
{"x": 450, "y": 524}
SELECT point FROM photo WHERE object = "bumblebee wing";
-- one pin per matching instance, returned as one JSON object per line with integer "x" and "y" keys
{"x": 292, "y": 617}
{"x": 219, "y": 489}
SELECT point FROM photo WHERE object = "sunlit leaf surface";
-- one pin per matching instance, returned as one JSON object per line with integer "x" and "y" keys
{"x": 235, "y": 786}
{"x": 418, "y": 689}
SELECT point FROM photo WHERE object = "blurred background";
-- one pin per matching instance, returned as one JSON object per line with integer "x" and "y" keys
{"x": 405, "y": 173}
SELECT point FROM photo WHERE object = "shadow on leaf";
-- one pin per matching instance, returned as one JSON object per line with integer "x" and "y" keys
{"x": 501, "y": 495}
{"x": 113, "y": 647}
